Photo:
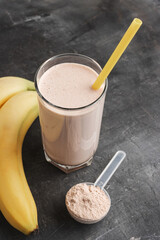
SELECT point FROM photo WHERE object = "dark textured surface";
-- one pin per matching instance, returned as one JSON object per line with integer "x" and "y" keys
{"x": 31, "y": 32}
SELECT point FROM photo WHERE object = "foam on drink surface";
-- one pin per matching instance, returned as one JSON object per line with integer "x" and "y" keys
{"x": 68, "y": 85}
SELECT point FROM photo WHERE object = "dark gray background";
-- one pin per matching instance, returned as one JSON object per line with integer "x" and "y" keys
{"x": 31, "y": 32}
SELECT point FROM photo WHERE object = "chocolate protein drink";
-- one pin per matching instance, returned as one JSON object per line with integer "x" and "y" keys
{"x": 71, "y": 122}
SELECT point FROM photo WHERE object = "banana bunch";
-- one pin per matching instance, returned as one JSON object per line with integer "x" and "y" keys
{"x": 18, "y": 109}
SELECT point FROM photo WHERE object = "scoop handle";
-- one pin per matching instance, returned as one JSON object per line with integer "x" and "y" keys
{"x": 110, "y": 169}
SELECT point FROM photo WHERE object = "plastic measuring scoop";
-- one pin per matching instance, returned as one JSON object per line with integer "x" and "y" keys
{"x": 121, "y": 47}
{"x": 101, "y": 182}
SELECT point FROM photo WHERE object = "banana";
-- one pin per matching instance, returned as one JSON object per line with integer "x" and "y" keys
{"x": 9, "y": 86}
{"x": 16, "y": 201}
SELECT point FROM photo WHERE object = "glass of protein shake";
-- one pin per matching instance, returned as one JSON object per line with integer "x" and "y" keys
{"x": 70, "y": 111}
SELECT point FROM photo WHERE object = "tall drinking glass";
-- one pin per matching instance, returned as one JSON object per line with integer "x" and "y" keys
{"x": 70, "y": 136}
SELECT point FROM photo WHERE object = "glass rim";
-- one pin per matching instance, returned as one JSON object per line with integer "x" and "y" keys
{"x": 64, "y": 108}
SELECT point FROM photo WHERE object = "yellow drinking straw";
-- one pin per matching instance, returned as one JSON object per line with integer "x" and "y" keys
{"x": 129, "y": 34}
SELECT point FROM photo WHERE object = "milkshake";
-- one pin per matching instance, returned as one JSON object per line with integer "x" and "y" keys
{"x": 70, "y": 110}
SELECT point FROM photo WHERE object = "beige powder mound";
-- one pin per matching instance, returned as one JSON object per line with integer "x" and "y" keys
{"x": 87, "y": 202}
